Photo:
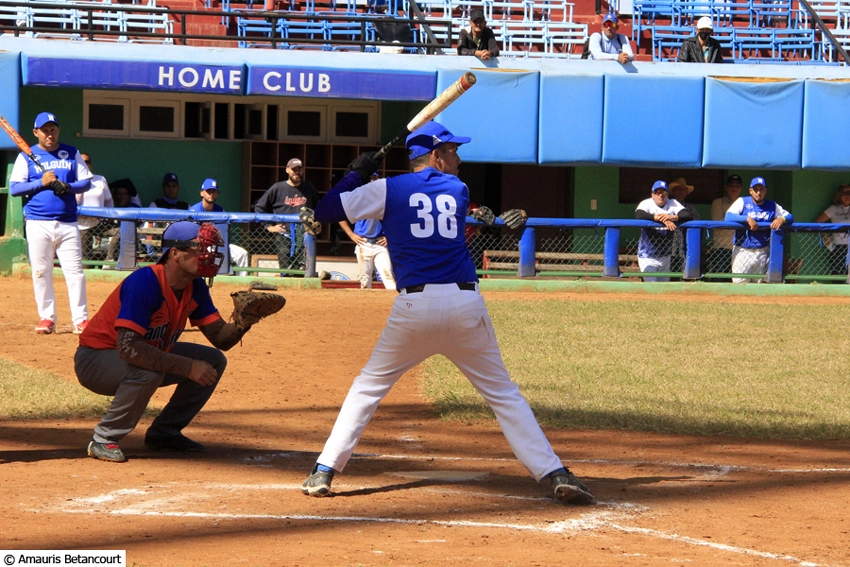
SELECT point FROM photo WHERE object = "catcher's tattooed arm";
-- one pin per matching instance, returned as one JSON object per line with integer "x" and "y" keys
{"x": 221, "y": 335}
{"x": 133, "y": 349}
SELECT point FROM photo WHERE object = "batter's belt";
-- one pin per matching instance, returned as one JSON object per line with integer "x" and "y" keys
{"x": 463, "y": 286}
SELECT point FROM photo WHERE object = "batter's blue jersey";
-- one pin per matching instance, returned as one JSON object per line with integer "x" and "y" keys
{"x": 424, "y": 217}
{"x": 25, "y": 179}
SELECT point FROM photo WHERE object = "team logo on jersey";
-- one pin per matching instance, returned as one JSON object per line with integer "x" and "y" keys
{"x": 295, "y": 201}
{"x": 63, "y": 154}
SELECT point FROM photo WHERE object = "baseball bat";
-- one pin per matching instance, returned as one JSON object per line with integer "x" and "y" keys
{"x": 22, "y": 145}
{"x": 436, "y": 106}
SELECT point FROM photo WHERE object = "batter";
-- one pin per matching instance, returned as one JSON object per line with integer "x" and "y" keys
{"x": 438, "y": 309}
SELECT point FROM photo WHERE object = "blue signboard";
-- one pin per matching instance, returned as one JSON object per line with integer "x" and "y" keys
{"x": 332, "y": 83}
{"x": 142, "y": 75}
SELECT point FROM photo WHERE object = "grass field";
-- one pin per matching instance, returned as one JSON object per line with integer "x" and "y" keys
{"x": 671, "y": 366}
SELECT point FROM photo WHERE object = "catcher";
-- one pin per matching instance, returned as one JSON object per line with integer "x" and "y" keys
{"x": 130, "y": 348}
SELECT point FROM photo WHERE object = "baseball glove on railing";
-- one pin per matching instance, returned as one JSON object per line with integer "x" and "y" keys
{"x": 250, "y": 307}
{"x": 514, "y": 218}
{"x": 483, "y": 214}
{"x": 307, "y": 218}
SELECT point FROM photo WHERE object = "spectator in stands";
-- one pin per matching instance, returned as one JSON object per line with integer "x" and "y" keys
{"x": 701, "y": 48}
{"x": 122, "y": 198}
{"x": 287, "y": 198}
{"x": 98, "y": 196}
{"x": 751, "y": 252}
{"x": 391, "y": 29}
{"x": 478, "y": 39}
{"x": 722, "y": 240}
{"x": 610, "y": 45}
{"x": 679, "y": 191}
{"x": 127, "y": 183}
{"x": 209, "y": 195}
{"x": 836, "y": 242}
{"x": 655, "y": 244}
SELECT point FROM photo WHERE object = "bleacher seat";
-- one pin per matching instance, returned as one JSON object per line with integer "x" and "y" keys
{"x": 565, "y": 39}
{"x": 548, "y": 9}
{"x": 647, "y": 11}
{"x": 248, "y": 27}
{"x": 667, "y": 40}
{"x": 133, "y": 23}
{"x": 795, "y": 43}
{"x": 754, "y": 42}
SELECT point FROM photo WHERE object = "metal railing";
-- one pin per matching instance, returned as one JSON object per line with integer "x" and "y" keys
{"x": 545, "y": 247}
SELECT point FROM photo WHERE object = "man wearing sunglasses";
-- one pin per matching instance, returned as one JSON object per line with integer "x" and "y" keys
{"x": 610, "y": 45}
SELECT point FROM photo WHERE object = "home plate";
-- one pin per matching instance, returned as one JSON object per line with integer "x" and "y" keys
{"x": 451, "y": 476}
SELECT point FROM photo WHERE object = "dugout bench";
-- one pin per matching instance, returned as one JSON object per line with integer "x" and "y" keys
{"x": 508, "y": 260}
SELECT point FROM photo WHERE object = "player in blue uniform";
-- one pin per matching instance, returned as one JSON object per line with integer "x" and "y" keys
{"x": 371, "y": 251}
{"x": 752, "y": 251}
{"x": 51, "y": 214}
{"x": 438, "y": 309}
{"x": 234, "y": 255}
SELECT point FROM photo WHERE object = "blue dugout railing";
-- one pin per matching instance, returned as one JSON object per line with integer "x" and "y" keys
{"x": 693, "y": 231}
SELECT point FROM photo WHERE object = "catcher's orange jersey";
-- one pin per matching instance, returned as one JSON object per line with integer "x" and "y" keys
{"x": 145, "y": 303}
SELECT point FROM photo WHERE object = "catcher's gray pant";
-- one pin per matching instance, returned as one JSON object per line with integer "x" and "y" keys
{"x": 442, "y": 319}
{"x": 103, "y": 372}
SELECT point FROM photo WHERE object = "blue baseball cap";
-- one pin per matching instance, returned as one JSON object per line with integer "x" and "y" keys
{"x": 610, "y": 17}
{"x": 43, "y": 118}
{"x": 177, "y": 233}
{"x": 429, "y": 137}
{"x": 757, "y": 181}
{"x": 209, "y": 184}
{"x": 170, "y": 177}
{"x": 659, "y": 185}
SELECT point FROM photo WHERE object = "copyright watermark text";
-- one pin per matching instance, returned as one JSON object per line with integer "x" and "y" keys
{"x": 110, "y": 558}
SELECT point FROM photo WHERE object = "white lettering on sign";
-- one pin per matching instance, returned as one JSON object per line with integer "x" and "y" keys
{"x": 191, "y": 73}
{"x": 305, "y": 82}
{"x": 213, "y": 80}
{"x": 187, "y": 77}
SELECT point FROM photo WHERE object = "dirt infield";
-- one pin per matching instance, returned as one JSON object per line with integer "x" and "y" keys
{"x": 663, "y": 500}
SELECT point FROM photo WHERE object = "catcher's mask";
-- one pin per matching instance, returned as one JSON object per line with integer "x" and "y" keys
{"x": 206, "y": 238}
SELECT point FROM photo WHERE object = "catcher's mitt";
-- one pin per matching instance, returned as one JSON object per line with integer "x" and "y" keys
{"x": 514, "y": 218}
{"x": 483, "y": 214}
{"x": 58, "y": 187}
{"x": 307, "y": 218}
{"x": 251, "y": 306}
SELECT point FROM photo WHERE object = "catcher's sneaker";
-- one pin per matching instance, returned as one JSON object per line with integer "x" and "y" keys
{"x": 46, "y": 327}
{"x": 318, "y": 484}
{"x": 568, "y": 489}
{"x": 106, "y": 452}
{"x": 179, "y": 443}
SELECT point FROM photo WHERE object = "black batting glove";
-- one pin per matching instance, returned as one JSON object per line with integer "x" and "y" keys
{"x": 364, "y": 166}
{"x": 59, "y": 188}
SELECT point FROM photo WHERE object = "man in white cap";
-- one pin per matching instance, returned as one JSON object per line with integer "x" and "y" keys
{"x": 609, "y": 44}
{"x": 701, "y": 48}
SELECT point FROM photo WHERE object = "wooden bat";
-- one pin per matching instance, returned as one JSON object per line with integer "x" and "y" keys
{"x": 22, "y": 145}
{"x": 436, "y": 106}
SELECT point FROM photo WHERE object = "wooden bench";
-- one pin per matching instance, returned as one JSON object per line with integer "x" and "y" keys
{"x": 556, "y": 261}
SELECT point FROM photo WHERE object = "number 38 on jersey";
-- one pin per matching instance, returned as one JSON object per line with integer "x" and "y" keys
{"x": 445, "y": 208}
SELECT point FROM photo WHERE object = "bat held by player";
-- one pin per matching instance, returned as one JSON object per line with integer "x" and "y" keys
{"x": 436, "y": 106}
{"x": 19, "y": 141}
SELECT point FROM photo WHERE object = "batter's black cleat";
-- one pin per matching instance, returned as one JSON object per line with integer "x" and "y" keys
{"x": 568, "y": 489}
{"x": 106, "y": 452}
{"x": 179, "y": 443}
{"x": 318, "y": 484}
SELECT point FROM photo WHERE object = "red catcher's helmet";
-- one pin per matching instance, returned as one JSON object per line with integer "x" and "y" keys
{"x": 209, "y": 258}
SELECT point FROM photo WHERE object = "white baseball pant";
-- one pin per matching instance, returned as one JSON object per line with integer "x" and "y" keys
{"x": 655, "y": 265}
{"x": 370, "y": 257}
{"x": 46, "y": 239}
{"x": 239, "y": 258}
{"x": 749, "y": 261}
{"x": 442, "y": 319}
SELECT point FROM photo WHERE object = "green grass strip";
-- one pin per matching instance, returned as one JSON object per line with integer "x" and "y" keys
{"x": 767, "y": 371}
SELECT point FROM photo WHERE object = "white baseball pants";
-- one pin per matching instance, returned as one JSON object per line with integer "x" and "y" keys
{"x": 654, "y": 265}
{"x": 440, "y": 320}
{"x": 749, "y": 261}
{"x": 46, "y": 239}
{"x": 239, "y": 258}
{"x": 371, "y": 257}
